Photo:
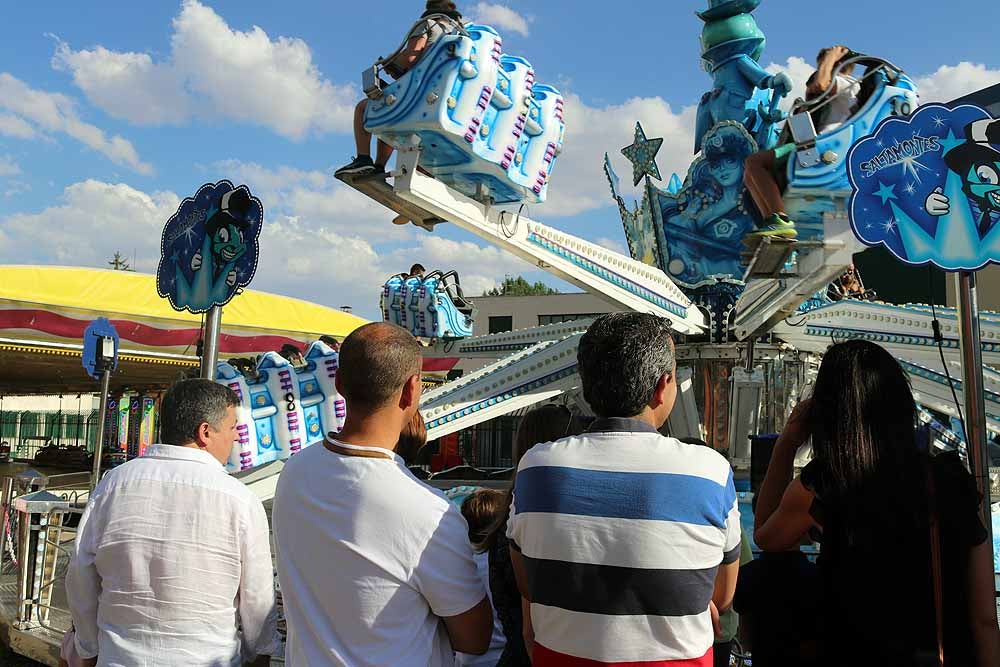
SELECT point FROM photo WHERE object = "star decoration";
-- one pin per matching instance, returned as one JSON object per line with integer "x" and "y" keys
{"x": 938, "y": 121}
{"x": 889, "y": 225}
{"x": 910, "y": 188}
{"x": 886, "y": 192}
{"x": 950, "y": 142}
{"x": 642, "y": 155}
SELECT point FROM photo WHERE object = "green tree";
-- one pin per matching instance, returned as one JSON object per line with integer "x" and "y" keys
{"x": 518, "y": 286}
{"x": 120, "y": 263}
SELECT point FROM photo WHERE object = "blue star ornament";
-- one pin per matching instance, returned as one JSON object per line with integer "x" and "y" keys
{"x": 886, "y": 192}
{"x": 642, "y": 155}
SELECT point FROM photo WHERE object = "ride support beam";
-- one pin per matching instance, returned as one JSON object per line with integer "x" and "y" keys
{"x": 627, "y": 283}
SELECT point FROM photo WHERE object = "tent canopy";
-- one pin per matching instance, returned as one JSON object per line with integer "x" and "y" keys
{"x": 44, "y": 311}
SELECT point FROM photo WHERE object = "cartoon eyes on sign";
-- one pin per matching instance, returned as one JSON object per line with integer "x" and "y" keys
{"x": 209, "y": 247}
{"x": 927, "y": 187}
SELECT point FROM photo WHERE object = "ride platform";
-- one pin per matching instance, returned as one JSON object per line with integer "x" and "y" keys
{"x": 377, "y": 188}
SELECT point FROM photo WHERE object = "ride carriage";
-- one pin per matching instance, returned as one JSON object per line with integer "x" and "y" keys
{"x": 431, "y": 306}
{"x": 817, "y": 173}
{"x": 482, "y": 124}
{"x": 282, "y": 408}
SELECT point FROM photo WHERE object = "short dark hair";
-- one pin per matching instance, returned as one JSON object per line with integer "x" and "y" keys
{"x": 622, "y": 357}
{"x": 481, "y": 511}
{"x": 417, "y": 268}
{"x": 189, "y": 404}
{"x": 376, "y": 360}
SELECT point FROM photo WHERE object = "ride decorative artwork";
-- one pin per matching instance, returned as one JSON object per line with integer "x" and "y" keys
{"x": 209, "y": 248}
{"x": 928, "y": 187}
{"x": 693, "y": 230}
{"x": 732, "y": 45}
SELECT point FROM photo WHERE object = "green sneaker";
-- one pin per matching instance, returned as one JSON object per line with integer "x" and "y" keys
{"x": 776, "y": 225}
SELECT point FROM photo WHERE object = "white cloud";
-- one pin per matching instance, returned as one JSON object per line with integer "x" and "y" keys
{"x": 91, "y": 222}
{"x": 8, "y": 167}
{"x": 500, "y": 17}
{"x": 952, "y": 81}
{"x": 56, "y": 113}
{"x": 322, "y": 247}
{"x": 214, "y": 72}
{"x": 14, "y": 126}
{"x": 800, "y": 71}
{"x": 617, "y": 245}
{"x": 578, "y": 182}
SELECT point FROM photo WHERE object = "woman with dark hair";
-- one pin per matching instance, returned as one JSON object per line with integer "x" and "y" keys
{"x": 873, "y": 493}
{"x": 543, "y": 424}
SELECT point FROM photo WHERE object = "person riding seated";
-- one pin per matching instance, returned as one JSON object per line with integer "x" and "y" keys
{"x": 417, "y": 270}
{"x": 440, "y": 18}
{"x": 762, "y": 168}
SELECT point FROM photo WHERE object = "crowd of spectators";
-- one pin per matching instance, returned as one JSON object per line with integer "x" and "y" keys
{"x": 614, "y": 545}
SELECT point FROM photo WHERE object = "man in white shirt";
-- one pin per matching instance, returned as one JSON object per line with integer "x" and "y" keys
{"x": 375, "y": 567}
{"x": 172, "y": 561}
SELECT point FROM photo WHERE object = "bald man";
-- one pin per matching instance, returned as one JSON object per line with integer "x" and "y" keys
{"x": 375, "y": 567}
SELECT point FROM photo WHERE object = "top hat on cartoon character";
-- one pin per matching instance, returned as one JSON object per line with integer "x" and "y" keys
{"x": 730, "y": 30}
{"x": 977, "y": 162}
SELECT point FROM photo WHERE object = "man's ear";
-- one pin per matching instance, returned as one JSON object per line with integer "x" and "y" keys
{"x": 660, "y": 392}
{"x": 410, "y": 395}
{"x": 203, "y": 434}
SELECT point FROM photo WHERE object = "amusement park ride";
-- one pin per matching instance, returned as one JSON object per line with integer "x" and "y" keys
{"x": 477, "y": 138}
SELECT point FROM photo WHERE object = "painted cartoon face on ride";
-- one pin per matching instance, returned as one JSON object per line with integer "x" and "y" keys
{"x": 228, "y": 243}
{"x": 983, "y": 183}
{"x": 726, "y": 170}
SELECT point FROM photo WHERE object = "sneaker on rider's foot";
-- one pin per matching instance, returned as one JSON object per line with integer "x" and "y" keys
{"x": 362, "y": 164}
{"x": 776, "y": 225}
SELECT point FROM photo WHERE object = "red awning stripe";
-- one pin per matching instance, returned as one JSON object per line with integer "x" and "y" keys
{"x": 55, "y": 324}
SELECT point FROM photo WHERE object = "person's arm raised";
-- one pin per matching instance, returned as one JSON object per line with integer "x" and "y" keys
{"x": 785, "y": 527}
{"x": 782, "y": 464}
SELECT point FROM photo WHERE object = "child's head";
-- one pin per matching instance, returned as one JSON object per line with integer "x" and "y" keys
{"x": 481, "y": 511}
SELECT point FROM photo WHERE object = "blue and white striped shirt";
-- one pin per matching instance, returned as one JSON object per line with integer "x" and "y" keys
{"x": 622, "y": 532}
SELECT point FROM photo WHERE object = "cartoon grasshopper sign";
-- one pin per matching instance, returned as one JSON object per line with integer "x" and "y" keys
{"x": 209, "y": 247}
{"x": 927, "y": 187}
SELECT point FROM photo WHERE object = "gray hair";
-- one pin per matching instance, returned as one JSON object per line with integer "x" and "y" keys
{"x": 622, "y": 357}
{"x": 189, "y": 404}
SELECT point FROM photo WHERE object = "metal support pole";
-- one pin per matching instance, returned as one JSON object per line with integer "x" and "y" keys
{"x": 972, "y": 387}
{"x": 751, "y": 351}
{"x": 210, "y": 354}
{"x": 95, "y": 477}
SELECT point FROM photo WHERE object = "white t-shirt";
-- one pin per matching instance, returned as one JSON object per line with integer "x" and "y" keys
{"x": 369, "y": 560}
{"x": 840, "y": 108}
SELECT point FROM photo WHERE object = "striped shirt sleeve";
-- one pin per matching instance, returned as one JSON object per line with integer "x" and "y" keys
{"x": 731, "y": 550}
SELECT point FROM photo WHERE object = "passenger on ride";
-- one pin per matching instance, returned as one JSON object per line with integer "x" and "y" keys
{"x": 440, "y": 18}
{"x": 417, "y": 270}
{"x": 761, "y": 170}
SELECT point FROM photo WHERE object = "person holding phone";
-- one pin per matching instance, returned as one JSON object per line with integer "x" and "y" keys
{"x": 872, "y": 492}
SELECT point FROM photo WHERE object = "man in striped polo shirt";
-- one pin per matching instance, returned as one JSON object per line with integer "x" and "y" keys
{"x": 624, "y": 539}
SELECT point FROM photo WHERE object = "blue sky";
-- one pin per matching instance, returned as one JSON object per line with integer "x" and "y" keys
{"x": 112, "y": 111}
